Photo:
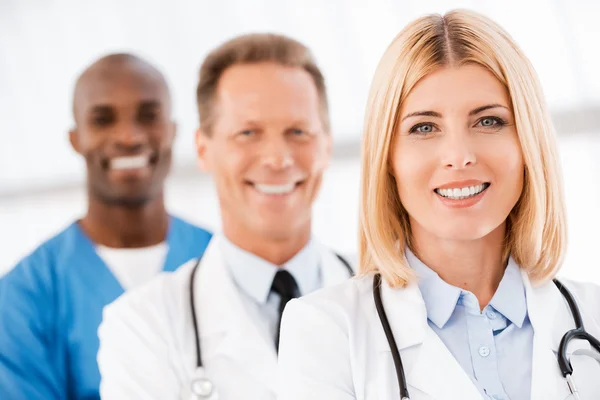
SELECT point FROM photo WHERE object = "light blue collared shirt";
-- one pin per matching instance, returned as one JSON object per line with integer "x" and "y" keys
{"x": 494, "y": 346}
{"x": 254, "y": 276}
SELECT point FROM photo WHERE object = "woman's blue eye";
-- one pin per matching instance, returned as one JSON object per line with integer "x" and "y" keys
{"x": 247, "y": 132}
{"x": 297, "y": 132}
{"x": 489, "y": 122}
{"x": 422, "y": 128}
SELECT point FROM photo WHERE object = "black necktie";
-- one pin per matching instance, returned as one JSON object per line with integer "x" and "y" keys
{"x": 286, "y": 287}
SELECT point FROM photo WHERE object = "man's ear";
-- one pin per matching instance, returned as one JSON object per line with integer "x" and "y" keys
{"x": 202, "y": 143}
{"x": 74, "y": 140}
{"x": 329, "y": 147}
{"x": 173, "y": 131}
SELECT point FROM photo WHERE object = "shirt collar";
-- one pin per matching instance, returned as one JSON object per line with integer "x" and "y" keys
{"x": 441, "y": 298}
{"x": 510, "y": 299}
{"x": 254, "y": 275}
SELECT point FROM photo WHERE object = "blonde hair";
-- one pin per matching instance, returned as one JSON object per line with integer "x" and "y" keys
{"x": 536, "y": 227}
{"x": 250, "y": 49}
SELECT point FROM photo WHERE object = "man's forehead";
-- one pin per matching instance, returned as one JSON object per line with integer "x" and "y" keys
{"x": 106, "y": 82}
{"x": 114, "y": 81}
{"x": 126, "y": 90}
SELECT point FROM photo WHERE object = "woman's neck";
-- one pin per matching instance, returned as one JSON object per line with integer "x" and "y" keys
{"x": 474, "y": 265}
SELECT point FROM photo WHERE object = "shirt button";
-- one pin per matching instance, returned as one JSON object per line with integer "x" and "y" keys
{"x": 484, "y": 351}
{"x": 491, "y": 315}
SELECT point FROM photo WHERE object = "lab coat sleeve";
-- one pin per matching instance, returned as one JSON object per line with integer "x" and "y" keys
{"x": 314, "y": 360}
{"x": 31, "y": 362}
{"x": 134, "y": 357}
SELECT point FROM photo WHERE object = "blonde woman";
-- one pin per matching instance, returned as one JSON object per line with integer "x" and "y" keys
{"x": 462, "y": 232}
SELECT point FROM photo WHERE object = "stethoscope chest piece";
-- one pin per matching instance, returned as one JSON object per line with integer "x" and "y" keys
{"x": 202, "y": 388}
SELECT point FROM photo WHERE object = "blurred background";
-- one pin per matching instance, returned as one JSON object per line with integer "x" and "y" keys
{"x": 45, "y": 44}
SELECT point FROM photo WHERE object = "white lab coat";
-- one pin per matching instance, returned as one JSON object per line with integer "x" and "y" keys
{"x": 147, "y": 343}
{"x": 333, "y": 346}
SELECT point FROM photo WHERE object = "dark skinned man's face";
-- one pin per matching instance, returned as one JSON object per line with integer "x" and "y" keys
{"x": 124, "y": 131}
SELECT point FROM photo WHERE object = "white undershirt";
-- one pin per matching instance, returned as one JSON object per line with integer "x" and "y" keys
{"x": 132, "y": 267}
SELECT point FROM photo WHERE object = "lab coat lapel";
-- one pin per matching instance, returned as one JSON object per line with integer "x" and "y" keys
{"x": 550, "y": 318}
{"x": 333, "y": 271}
{"x": 437, "y": 373}
{"x": 226, "y": 322}
{"x": 428, "y": 364}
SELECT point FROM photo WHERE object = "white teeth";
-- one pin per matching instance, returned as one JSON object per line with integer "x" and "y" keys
{"x": 462, "y": 193}
{"x": 135, "y": 162}
{"x": 275, "y": 189}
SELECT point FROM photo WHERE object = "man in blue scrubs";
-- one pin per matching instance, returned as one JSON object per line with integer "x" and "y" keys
{"x": 51, "y": 302}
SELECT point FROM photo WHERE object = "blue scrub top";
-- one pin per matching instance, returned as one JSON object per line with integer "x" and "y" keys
{"x": 50, "y": 309}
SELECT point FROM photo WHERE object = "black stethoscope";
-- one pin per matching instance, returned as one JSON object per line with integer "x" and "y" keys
{"x": 565, "y": 365}
{"x": 202, "y": 388}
